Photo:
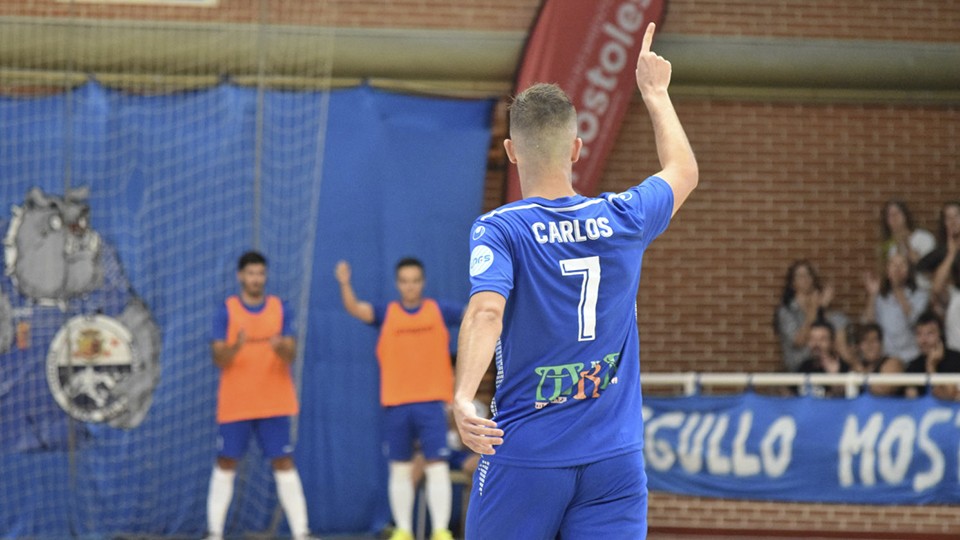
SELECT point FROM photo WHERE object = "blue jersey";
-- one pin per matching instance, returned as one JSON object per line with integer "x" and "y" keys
{"x": 568, "y": 374}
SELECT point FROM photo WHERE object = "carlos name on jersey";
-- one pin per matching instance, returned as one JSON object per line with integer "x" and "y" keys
{"x": 573, "y": 230}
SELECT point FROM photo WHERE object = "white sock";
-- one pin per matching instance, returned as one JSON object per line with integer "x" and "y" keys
{"x": 218, "y": 499}
{"x": 290, "y": 491}
{"x": 400, "y": 488}
{"x": 439, "y": 494}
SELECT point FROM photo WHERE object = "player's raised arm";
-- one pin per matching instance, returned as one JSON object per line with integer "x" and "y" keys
{"x": 676, "y": 156}
{"x": 479, "y": 332}
{"x": 357, "y": 308}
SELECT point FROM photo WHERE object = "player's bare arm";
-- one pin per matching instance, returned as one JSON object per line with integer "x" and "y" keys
{"x": 357, "y": 308}
{"x": 224, "y": 353}
{"x": 676, "y": 156}
{"x": 479, "y": 332}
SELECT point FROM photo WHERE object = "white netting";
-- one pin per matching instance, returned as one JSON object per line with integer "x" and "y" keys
{"x": 144, "y": 148}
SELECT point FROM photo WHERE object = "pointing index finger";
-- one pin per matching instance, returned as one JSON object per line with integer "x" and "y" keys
{"x": 648, "y": 38}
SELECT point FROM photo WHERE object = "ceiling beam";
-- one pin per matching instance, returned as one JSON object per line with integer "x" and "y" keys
{"x": 466, "y": 61}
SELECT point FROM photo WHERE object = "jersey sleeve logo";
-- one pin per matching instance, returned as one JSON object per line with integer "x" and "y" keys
{"x": 478, "y": 232}
{"x": 481, "y": 258}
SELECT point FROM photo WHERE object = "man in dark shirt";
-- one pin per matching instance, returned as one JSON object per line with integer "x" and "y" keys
{"x": 823, "y": 359}
{"x": 871, "y": 359}
{"x": 934, "y": 357}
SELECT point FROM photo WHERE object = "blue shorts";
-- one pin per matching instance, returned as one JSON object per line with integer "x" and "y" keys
{"x": 605, "y": 499}
{"x": 426, "y": 422}
{"x": 273, "y": 436}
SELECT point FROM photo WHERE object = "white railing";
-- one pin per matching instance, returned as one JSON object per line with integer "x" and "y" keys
{"x": 853, "y": 382}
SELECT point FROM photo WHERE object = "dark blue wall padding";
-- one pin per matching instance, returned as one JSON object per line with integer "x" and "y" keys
{"x": 174, "y": 195}
{"x": 402, "y": 176}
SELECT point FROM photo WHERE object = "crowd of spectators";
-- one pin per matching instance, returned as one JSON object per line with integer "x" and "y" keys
{"x": 910, "y": 320}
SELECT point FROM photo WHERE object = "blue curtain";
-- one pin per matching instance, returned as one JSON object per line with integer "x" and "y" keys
{"x": 175, "y": 199}
{"x": 405, "y": 178}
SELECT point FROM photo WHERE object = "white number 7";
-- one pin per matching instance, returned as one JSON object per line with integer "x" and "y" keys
{"x": 589, "y": 268}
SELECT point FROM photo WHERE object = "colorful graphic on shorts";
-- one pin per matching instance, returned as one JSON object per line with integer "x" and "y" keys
{"x": 559, "y": 381}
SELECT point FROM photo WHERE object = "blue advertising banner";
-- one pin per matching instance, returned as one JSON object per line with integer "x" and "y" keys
{"x": 868, "y": 450}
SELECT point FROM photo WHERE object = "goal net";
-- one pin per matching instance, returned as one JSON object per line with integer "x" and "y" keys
{"x": 143, "y": 148}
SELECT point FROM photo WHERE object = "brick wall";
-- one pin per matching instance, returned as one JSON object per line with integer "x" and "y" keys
{"x": 696, "y": 515}
{"x": 779, "y": 181}
{"x": 911, "y": 20}
{"x": 467, "y": 14}
{"x": 914, "y": 20}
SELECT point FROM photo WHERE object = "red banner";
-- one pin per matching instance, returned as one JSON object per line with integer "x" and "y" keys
{"x": 589, "y": 48}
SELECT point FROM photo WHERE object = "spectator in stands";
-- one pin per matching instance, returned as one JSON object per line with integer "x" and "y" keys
{"x": 823, "y": 358}
{"x": 895, "y": 303}
{"x": 945, "y": 294}
{"x": 871, "y": 359}
{"x": 937, "y": 263}
{"x": 804, "y": 301}
{"x": 900, "y": 235}
{"x": 935, "y": 357}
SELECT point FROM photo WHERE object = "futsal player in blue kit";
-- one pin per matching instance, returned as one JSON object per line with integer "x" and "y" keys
{"x": 554, "y": 282}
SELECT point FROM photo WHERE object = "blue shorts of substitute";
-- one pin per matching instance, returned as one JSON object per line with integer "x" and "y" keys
{"x": 426, "y": 422}
{"x": 273, "y": 436}
{"x": 606, "y": 499}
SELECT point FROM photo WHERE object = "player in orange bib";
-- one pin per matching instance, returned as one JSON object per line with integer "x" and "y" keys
{"x": 253, "y": 345}
{"x": 416, "y": 383}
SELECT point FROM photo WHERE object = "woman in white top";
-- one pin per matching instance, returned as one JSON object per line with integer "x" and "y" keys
{"x": 895, "y": 303}
{"x": 899, "y": 234}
